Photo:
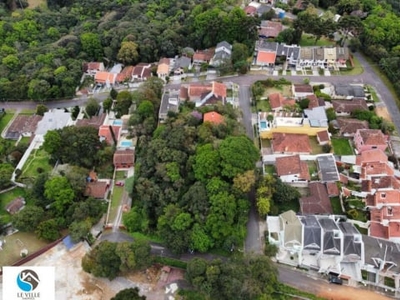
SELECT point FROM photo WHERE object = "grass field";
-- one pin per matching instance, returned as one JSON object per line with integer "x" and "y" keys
{"x": 309, "y": 40}
{"x": 38, "y": 159}
{"x": 138, "y": 236}
{"x": 119, "y": 175}
{"x": 28, "y": 112}
{"x": 115, "y": 202}
{"x": 263, "y": 106}
{"x": 341, "y": 146}
{"x": 4, "y": 120}
{"x": 336, "y": 207}
{"x": 269, "y": 169}
{"x": 312, "y": 169}
{"x": 6, "y": 198}
{"x": 15, "y": 243}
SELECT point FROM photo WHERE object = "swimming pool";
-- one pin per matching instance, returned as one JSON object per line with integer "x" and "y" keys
{"x": 126, "y": 143}
{"x": 117, "y": 122}
{"x": 263, "y": 125}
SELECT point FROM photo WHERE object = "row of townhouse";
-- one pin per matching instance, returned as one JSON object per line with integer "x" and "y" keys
{"x": 270, "y": 53}
{"x": 330, "y": 245}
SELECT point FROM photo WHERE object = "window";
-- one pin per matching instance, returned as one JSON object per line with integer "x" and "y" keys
{"x": 383, "y": 195}
{"x": 390, "y": 211}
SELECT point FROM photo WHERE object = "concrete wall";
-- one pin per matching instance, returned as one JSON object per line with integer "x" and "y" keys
{"x": 306, "y": 129}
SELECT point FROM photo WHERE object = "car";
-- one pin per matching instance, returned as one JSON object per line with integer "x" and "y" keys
{"x": 120, "y": 183}
{"x": 335, "y": 280}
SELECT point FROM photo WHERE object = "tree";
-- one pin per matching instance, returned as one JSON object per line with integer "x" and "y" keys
{"x": 129, "y": 294}
{"x": 126, "y": 255}
{"x": 6, "y": 171}
{"x": 113, "y": 94}
{"x": 145, "y": 109}
{"x": 48, "y": 230}
{"x": 304, "y": 103}
{"x": 240, "y": 52}
{"x": 207, "y": 162}
{"x": 287, "y": 36}
{"x": 11, "y": 61}
{"x": 331, "y": 114}
{"x": 238, "y": 154}
{"x": 79, "y": 230}
{"x": 244, "y": 182}
{"x": 285, "y": 193}
{"x": 59, "y": 190}
{"x": 28, "y": 219}
{"x": 264, "y": 193}
{"x": 128, "y": 53}
{"x": 41, "y": 109}
{"x": 91, "y": 45}
{"x": 124, "y": 102}
{"x": 52, "y": 142}
{"x": 92, "y": 107}
{"x": 107, "y": 104}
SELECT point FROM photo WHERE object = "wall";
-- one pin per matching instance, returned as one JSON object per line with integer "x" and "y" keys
{"x": 306, "y": 129}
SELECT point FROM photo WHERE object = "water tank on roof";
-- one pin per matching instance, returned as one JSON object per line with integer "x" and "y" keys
{"x": 281, "y": 14}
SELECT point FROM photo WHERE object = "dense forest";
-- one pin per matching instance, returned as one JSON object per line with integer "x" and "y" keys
{"x": 42, "y": 50}
{"x": 192, "y": 180}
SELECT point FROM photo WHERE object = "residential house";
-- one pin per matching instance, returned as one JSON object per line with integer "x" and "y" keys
{"x": 52, "y": 120}
{"x": 319, "y": 57}
{"x": 93, "y": 67}
{"x": 375, "y": 183}
{"x": 124, "y": 159}
{"x": 181, "y": 64}
{"x": 286, "y": 143}
{"x": 213, "y": 117}
{"x": 302, "y": 90}
{"x": 15, "y": 205}
{"x": 169, "y": 103}
{"x": 269, "y": 29}
{"x": 163, "y": 68}
{"x": 332, "y": 189}
{"x": 384, "y": 208}
{"x": 22, "y": 125}
{"x": 346, "y": 107}
{"x": 316, "y": 117}
{"x": 278, "y": 102}
{"x": 371, "y": 156}
{"x": 222, "y": 54}
{"x": 250, "y": 10}
{"x": 97, "y": 189}
{"x": 203, "y": 94}
{"x": 289, "y": 53}
{"x": 125, "y": 75}
{"x": 291, "y": 169}
{"x": 323, "y": 137}
{"x": 95, "y": 121}
{"x": 315, "y": 101}
{"x": 342, "y": 55}
{"x": 262, "y": 9}
{"x": 312, "y": 241}
{"x": 367, "y": 139}
{"x": 306, "y": 58}
{"x": 141, "y": 72}
{"x": 317, "y": 202}
{"x": 106, "y": 78}
{"x": 349, "y": 91}
{"x": 348, "y": 127}
{"x": 327, "y": 169}
{"x": 265, "y": 58}
{"x": 203, "y": 56}
{"x": 109, "y": 134}
{"x": 330, "y": 56}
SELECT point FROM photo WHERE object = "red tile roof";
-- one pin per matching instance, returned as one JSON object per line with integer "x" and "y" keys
{"x": 275, "y": 100}
{"x": 375, "y": 168}
{"x": 94, "y": 122}
{"x": 290, "y": 143}
{"x": 373, "y": 155}
{"x": 250, "y": 10}
{"x": 219, "y": 89}
{"x": 378, "y": 230}
{"x": 372, "y": 137}
{"x": 350, "y": 126}
{"x": 314, "y": 101}
{"x": 105, "y": 133}
{"x": 198, "y": 89}
{"x": 380, "y": 182}
{"x": 94, "y": 66}
{"x": 343, "y": 179}
{"x": 97, "y": 189}
{"x": 126, "y": 157}
{"x": 126, "y": 74}
{"x": 271, "y": 29}
{"x": 323, "y": 136}
{"x": 184, "y": 93}
{"x": 15, "y": 205}
{"x": 318, "y": 202}
{"x": 349, "y": 106}
{"x": 203, "y": 55}
{"x": 213, "y": 117}
{"x": 266, "y": 57}
{"x": 292, "y": 165}
{"x": 23, "y": 123}
{"x": 332, "y": 189}
{"x": 105, "y": 77}
{"x": 303, "y": 88}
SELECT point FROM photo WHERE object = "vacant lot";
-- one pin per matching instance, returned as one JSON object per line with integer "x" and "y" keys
{"x": 285, "y": 90}
{"x": 309, "y": 40}
{"x": 315, "y": 146}
{"x": 6, "y": 198}
{"x": 341, "y": 146}
{"x": 15, "y": 243}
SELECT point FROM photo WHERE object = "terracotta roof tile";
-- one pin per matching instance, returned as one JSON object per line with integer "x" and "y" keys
{"x": 275, "y": 100}
{"x": 373, "y": 155}
{"x": 22, "y": 124}
{"x": 219, "y": 89}
{"x": 203, "y": 55}
{"x": 349, "y": 106}
{"x": 213, "y": 117}
{"x": 270, "y": 29}
{"x": 93, "y": 66}
{"x": 350, "y": 126}
{"x": 97, "y": 189}
{"x": 250, "y": 10}
{"x": 197, "y": 89}
{"x": 95, "y": 121}
{"x": 314, "y": 101}
{"x": 323, "y": 136}
{"x": 266, "y": 57}
{"x": 303, "y": 88}
{"x": 105, "y": 133}
{"x": 380, "y": 182}
{"x": 375, "y": 168}
{"x": 124, "y": 157}
{"x": 318, "y": 202}
{"x": 290, "y": 143}
{"x": 332, "y": 189}
{"x": 372, "y": 137}
{"x": 126, "y": 74}
{"x": 104, "y": 77}
{"x": 184, "y": 93}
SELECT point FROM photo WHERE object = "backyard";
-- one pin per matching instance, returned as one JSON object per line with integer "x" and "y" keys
{"x": 315, "y": 147}
{"x": 263, "y": 106}
{"x": 13, "y": 244}
{"x": 6, "y": 198}
{"x": 312, "y": 169}
{"x": 37, "y": 162}
{"x": 308, "y": 40}
{"x": 269, "y": 169}
{"x": 341, "y": 146}
{"x": 118, "y": 192}
{"x": 336, "y": 207}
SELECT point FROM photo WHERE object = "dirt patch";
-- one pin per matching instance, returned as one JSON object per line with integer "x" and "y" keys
{"x": 382, "y": 111}
{"x": 285, "y": 90}
{"x": 36, "y": 3}
{"x": 347, "y": 293}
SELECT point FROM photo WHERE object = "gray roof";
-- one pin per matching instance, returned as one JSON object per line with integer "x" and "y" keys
{"x": 342, "y": 53}
{"x": 316, "y": 116}
{"x": 379, "y": 251}
{"x": 263, "y": 9}
{"x": 351, "y": 245}
{"x": 312, "y": 233}
{"x": 264, "y": 45}
{"x": 327, "y": 168}
{"x": 306, "y": 53}
{"x": 54, "y": 119}
{"x": 331, "y": 241}
{"x": 169, "y": 101}
{"x": 347, "y": 90}
{"x": 224, "y": 44}
{"x": 292, "y": 228}
{"x": 319, "y": 53}
{"x": 182, "y": 62}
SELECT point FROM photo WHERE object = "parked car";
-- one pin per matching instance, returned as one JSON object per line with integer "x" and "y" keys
{"x": 335, "y": 280}
{"x": 120, "y": 183}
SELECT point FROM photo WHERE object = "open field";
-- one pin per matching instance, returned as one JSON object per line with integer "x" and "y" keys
{"x": 285, "y": 90}
{"x": 115, "y": 202}
{"x": 15, "y": 243}
{"x": 4, "y": 120}
{"x": 38, "y": 159}
{"x": 341, "y": 146}
{"x": 381, "y": 111}
{"x": 309, "y": 40}
{"x": 6, "y": 198}
{"x": 336, "y": 207}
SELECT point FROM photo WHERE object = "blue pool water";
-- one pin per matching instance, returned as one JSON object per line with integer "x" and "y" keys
{"x": 263, "y": 124}
{"x": 117, "y": 122}
{"x": 126, "y": 144}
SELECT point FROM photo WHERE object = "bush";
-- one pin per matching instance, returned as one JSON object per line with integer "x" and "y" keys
{"x": 39, "y": 170}
{"x": 326, "y": 148}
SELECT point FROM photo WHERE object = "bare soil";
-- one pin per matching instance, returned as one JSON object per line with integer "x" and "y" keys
{"x": 382, "y": 111}
{"x": 348, "y": 293}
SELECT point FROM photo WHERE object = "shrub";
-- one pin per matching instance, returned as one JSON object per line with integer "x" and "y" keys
{"x": 39, "y": 170}
{"x": 326, "y": 148}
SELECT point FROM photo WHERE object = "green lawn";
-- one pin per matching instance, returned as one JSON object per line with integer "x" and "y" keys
{"x": 341, "y": 146}
{"x": 138, "y": 236}
{"x": 115, "y": 202}
{"x": 6, "y": 198}
{"x": 309, "y": 40}
{"x": 356, "y": 70}
{"x": 337, "y": 208}
{"x": 15, "y": 243}
{"x": 263, "y": 105}
{"x": 312, "y": 169}
{"x": 24, "y": 140}
{"x": 39, "y": 158}
{"x": 4, "y": 120}
{"x": 316, "y": 148}
{"x": 373, "y": 93}
{"x": 28, "y": 112}
{"x": 119, "y": 175}
{"x": 270, "y": 169}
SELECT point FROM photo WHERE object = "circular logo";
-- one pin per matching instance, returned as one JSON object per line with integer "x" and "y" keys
{"x": 27, "y": 280}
